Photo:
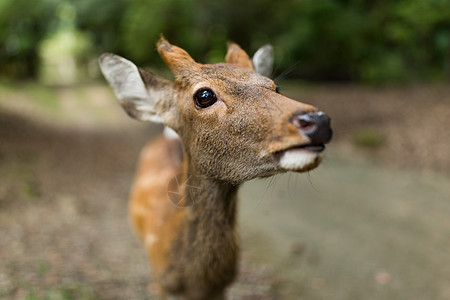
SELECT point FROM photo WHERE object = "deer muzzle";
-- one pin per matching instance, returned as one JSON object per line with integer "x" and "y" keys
{"x": 314, "y": 125}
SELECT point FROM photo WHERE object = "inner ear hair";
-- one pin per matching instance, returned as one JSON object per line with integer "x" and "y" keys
{"x": 153, "y": 81}
{"x": 143, "y": 95}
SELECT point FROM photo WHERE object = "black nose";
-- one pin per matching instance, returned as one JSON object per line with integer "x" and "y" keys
{"x": 315, "y": 125}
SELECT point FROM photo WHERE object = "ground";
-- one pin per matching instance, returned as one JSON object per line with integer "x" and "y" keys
{"x": 370, "y": 223}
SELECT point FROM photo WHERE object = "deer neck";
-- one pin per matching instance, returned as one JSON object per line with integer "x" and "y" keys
{"x": 209, "y": 201}
{"x": 207, "y": 239}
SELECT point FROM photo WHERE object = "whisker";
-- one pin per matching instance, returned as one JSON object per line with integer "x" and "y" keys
{"x": 286, "y": 72}
{"x": 311, "y": 182}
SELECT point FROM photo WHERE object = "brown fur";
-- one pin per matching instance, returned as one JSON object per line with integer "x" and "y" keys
{"x": 237, "y": 56}
{"x": 194, "y": 250}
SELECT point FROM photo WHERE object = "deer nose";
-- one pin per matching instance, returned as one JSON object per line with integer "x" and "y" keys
{"x": 315, "y": 125}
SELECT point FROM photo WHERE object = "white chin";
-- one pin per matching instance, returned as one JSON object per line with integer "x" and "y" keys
{"x": 299, "y": 160}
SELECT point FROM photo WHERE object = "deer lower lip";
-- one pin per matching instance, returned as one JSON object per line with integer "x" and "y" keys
{"x": 300, "y": 158}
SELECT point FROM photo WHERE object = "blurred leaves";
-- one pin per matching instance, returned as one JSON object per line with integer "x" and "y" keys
{"x": 373, "y": 41}
{"x": 23, "y": 24}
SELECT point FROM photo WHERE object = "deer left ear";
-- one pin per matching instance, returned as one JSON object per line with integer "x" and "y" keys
{"x": 237, "y": 56}
{"x": 143, "y": 95}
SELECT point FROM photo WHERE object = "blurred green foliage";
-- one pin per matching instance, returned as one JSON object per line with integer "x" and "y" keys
{"x": 23, "y": 24}
{"x": 361, "y": 40}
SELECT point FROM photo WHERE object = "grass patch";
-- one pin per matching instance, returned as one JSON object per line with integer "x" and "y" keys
{"x": 24, "y": 181}
{"x": 42, "y": 268}
{"x": 30, "y": 94}
{"x": 31, "y": 190}
{"x": 27, "y": 156}
{"x": 368, "y": 138}
{"x": 44, "y": 97}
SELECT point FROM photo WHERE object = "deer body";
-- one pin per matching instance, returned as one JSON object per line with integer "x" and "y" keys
{"x": 232, "y": 126}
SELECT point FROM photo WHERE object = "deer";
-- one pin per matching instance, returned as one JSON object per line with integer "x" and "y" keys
{"x": 225, "y": 124}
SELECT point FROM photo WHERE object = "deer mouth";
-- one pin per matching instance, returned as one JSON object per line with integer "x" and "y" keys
{"x": 314, "y": 148}
{"x": 300, "y": 158}
{"x": 317, "y": 148}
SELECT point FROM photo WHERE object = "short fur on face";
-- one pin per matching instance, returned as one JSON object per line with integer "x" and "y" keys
{"x": 237, "y": 137}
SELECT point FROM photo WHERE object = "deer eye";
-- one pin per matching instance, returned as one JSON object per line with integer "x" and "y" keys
{"x": 204, "y": 97}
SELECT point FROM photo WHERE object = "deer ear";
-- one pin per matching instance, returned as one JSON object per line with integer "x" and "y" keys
{"x": 141, "y": 94}
{"x": 263, "y": 60}
{"x": 237, "y": 56}
{"x": 178, "y": 60}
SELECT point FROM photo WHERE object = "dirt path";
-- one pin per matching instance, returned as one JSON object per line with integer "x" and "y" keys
{"x": 350, "y": 230}
{"x": 353, "y": 231}
{"x": 64, "y": 232}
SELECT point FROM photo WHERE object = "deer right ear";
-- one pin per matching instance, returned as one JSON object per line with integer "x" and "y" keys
{"x": 263, "y": 60}
{"x": 140, "y": 93}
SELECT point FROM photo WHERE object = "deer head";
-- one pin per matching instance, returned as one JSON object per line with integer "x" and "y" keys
{"x": 233, "y": 123}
